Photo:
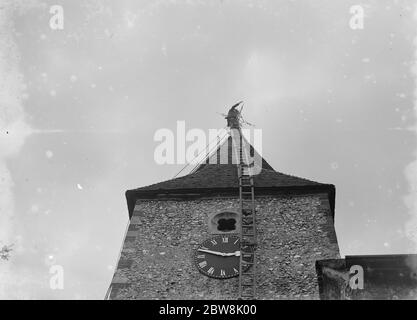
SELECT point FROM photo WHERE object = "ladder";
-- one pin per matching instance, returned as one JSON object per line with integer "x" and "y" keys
{"x": 247, "y": 267}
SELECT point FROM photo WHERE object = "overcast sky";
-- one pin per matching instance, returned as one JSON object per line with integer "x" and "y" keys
{"x": 79, "y": 108}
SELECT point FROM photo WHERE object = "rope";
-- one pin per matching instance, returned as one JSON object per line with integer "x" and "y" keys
{"x": 209, "y": 152}
{"x": 199, "y": 154}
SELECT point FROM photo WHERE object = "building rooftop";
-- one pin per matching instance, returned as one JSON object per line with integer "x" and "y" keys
{"x": 222, "y": 179}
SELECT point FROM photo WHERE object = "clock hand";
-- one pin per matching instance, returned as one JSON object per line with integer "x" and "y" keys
{"x": 236, "y": 253}
{"x": 223, "y": 254}
{"x": 212, "y": 252}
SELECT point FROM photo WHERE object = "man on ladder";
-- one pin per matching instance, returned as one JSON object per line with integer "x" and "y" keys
{"x": 233, "y": 117}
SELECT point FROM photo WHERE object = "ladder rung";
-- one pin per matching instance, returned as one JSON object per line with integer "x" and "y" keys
{"x": 247, "y": 210}
{"x": 250, "y": 259}
{"x": 248, "y": 274}
{"x": 246, "y": 242}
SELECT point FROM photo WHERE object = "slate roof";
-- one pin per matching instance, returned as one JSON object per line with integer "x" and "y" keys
{"x": 223, "y": 178}
{"x": 226, "y": 176}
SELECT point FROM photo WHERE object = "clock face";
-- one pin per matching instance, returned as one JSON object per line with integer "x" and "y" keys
{"x": 219, "y": 257}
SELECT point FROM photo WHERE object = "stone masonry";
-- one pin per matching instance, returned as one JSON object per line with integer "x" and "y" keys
{"x": 156, "y": 261}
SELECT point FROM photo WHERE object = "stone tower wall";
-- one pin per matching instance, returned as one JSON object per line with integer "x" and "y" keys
{"x": 157, "y": 257}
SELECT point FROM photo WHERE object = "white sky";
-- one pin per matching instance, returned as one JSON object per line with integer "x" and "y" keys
{"x": 335, "y": 105}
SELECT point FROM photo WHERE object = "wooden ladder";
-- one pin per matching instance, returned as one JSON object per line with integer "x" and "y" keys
{"x": 247, "y": 267}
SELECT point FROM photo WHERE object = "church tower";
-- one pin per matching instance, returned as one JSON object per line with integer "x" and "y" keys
{"x": 227, "y": 231}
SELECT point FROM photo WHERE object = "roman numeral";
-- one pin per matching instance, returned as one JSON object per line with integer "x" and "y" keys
{"x": 225, "y": 239}
{"x": 222, "y": 272}
{"x": 237, "y": 240}
{"x": 202, "y": 264}
{"x": 210, "y": 271}
{"x": 214, "y": 242}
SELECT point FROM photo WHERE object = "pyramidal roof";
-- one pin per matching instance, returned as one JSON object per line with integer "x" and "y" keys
{"x": 219, "y": 175}
{"x": 217, "y": 172}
